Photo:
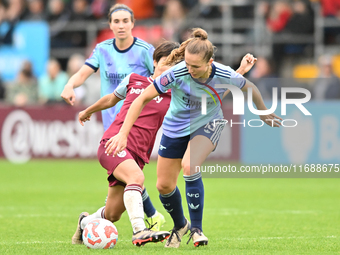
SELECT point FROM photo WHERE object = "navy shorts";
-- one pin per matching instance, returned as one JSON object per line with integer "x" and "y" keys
{"x": 176, "y": 147}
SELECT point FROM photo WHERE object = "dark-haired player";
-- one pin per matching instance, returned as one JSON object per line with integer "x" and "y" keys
{"x": 116, "y": 58}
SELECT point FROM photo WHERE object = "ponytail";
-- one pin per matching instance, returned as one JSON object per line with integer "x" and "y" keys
{"x": 198, "y": 43}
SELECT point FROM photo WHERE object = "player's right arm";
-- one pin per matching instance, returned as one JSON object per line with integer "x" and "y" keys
{"x": 104, "y": 103}
{"x": 118, "y": 142}
{"x": 75, "y": 81}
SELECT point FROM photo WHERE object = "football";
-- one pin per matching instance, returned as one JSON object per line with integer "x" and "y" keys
{"x": 100, "y": 234}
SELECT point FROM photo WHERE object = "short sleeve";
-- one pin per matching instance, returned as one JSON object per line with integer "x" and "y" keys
{"x": 165, "y": 81}
{"x": 93, "y": 60}
{"x": 237, "y": 79}
{"x": 149, "y": 59}
{"x": 120, "y": 91}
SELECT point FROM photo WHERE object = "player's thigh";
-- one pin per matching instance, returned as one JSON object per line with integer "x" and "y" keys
{"x": 203, "y": 142}
{"x": 129, "y": 172}
{"x": 168, "y": 170}
{"x": 115, "y": 204}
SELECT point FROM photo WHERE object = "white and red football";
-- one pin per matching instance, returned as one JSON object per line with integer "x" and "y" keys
{"x": 100, "y": 234}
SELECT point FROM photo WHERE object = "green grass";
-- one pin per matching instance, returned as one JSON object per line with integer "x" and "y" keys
{"x": 40, "y": 202}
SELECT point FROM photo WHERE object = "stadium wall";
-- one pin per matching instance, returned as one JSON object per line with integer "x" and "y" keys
{"x": 315, "y": 138}
{"x": 54, "y": 132}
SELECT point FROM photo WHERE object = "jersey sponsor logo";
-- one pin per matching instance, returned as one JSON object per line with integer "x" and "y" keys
{"x": 192, "y": 206}
{"x": 161, "y": 147}
{"x": 115, "y": 75}
{"x": 158, "y": 99}
{"x": 122, "y": 154}
{"x": 115, "y": 78}
{"x": 167, "y": 79}
{"x": 139, "y": 83}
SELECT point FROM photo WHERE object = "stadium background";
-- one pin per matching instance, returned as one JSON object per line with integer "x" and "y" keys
{"x": 297, "y": 45}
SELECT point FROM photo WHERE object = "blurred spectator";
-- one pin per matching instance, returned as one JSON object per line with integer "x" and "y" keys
{"x": 57, "y": 11}
{"x": 58, "y": 17}
{"x": 188, "y": 4}
{"x": 81, "y": 11}
{"x": 331, "y": 8}
{"x": 300, "y": 23}
{"x": 99, "y": 8}
{"x": 24, "y": 90}
{"x": 142, "y": 9}
{"x": 52, "y": 83}
{"x": 173, "y": 18}
{"x": 302, "y": 19}
{"x": 209, "y": 11}
{"x": 16, "y": 10}
{"x": 11, "y": 12}
{"x": 75, "y": 62}
{"x": 36, "y": 10}
{"x": 2, "y": 12}
{"x": 277, "y": 15}
{"x": 2, "y": 90}
{"x": 263, "y": 75}
{"x": 327, "y": 85}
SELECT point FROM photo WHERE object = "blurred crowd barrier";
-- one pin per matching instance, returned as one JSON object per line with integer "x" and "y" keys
{"x": 54, "y": 132}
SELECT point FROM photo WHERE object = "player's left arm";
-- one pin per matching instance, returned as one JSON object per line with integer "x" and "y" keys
{"x": 247, "y": 63}
{"x": 270, "y": 119}
{"x": 105, "y": 102}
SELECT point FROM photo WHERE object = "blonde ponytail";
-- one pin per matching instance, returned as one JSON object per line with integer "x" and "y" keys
{"x": 198, "y": 43}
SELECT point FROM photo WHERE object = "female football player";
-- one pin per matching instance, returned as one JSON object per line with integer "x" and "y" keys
{"x": 115, "y": 59}
{"x": 125, "y": 177}
{"x": 188, "y": 135}
{"x": 124, "y": 171}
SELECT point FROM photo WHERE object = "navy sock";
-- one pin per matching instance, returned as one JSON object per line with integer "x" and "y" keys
{"x": 149, "y": 209}
{"x": 194, "y": 190}
{"x": 172, "y": 203}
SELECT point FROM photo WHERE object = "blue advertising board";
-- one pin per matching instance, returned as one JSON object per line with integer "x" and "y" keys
{"x": 313, "y": 139}
{"x": 31, "y": 41}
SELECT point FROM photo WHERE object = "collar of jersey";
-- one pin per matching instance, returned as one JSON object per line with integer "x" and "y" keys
{"x": 210, "y": 77}
{"x": 126, "y": 50}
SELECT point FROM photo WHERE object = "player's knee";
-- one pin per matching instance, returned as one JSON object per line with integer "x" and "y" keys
{"x": 165, "y": 187}
{"x": 136, "y": 178}
{"x": 112, "y": 216}
{"x": 187, "y": 169}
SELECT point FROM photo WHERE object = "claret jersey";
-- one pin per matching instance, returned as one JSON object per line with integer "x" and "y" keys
{"x": 115, "y": 65}
{"x": 143, "y": 133}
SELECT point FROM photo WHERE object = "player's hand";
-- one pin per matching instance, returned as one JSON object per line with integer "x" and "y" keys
{"x": 116, "y": 144}
{"x": 271, "y": 120}
{"x": 83, "y": 117}
{"x": 247, "y": 62}
{"x": 68, "y": 95}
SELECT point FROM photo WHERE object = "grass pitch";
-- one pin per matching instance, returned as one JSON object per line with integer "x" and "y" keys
{"x": 41, "y": 201}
